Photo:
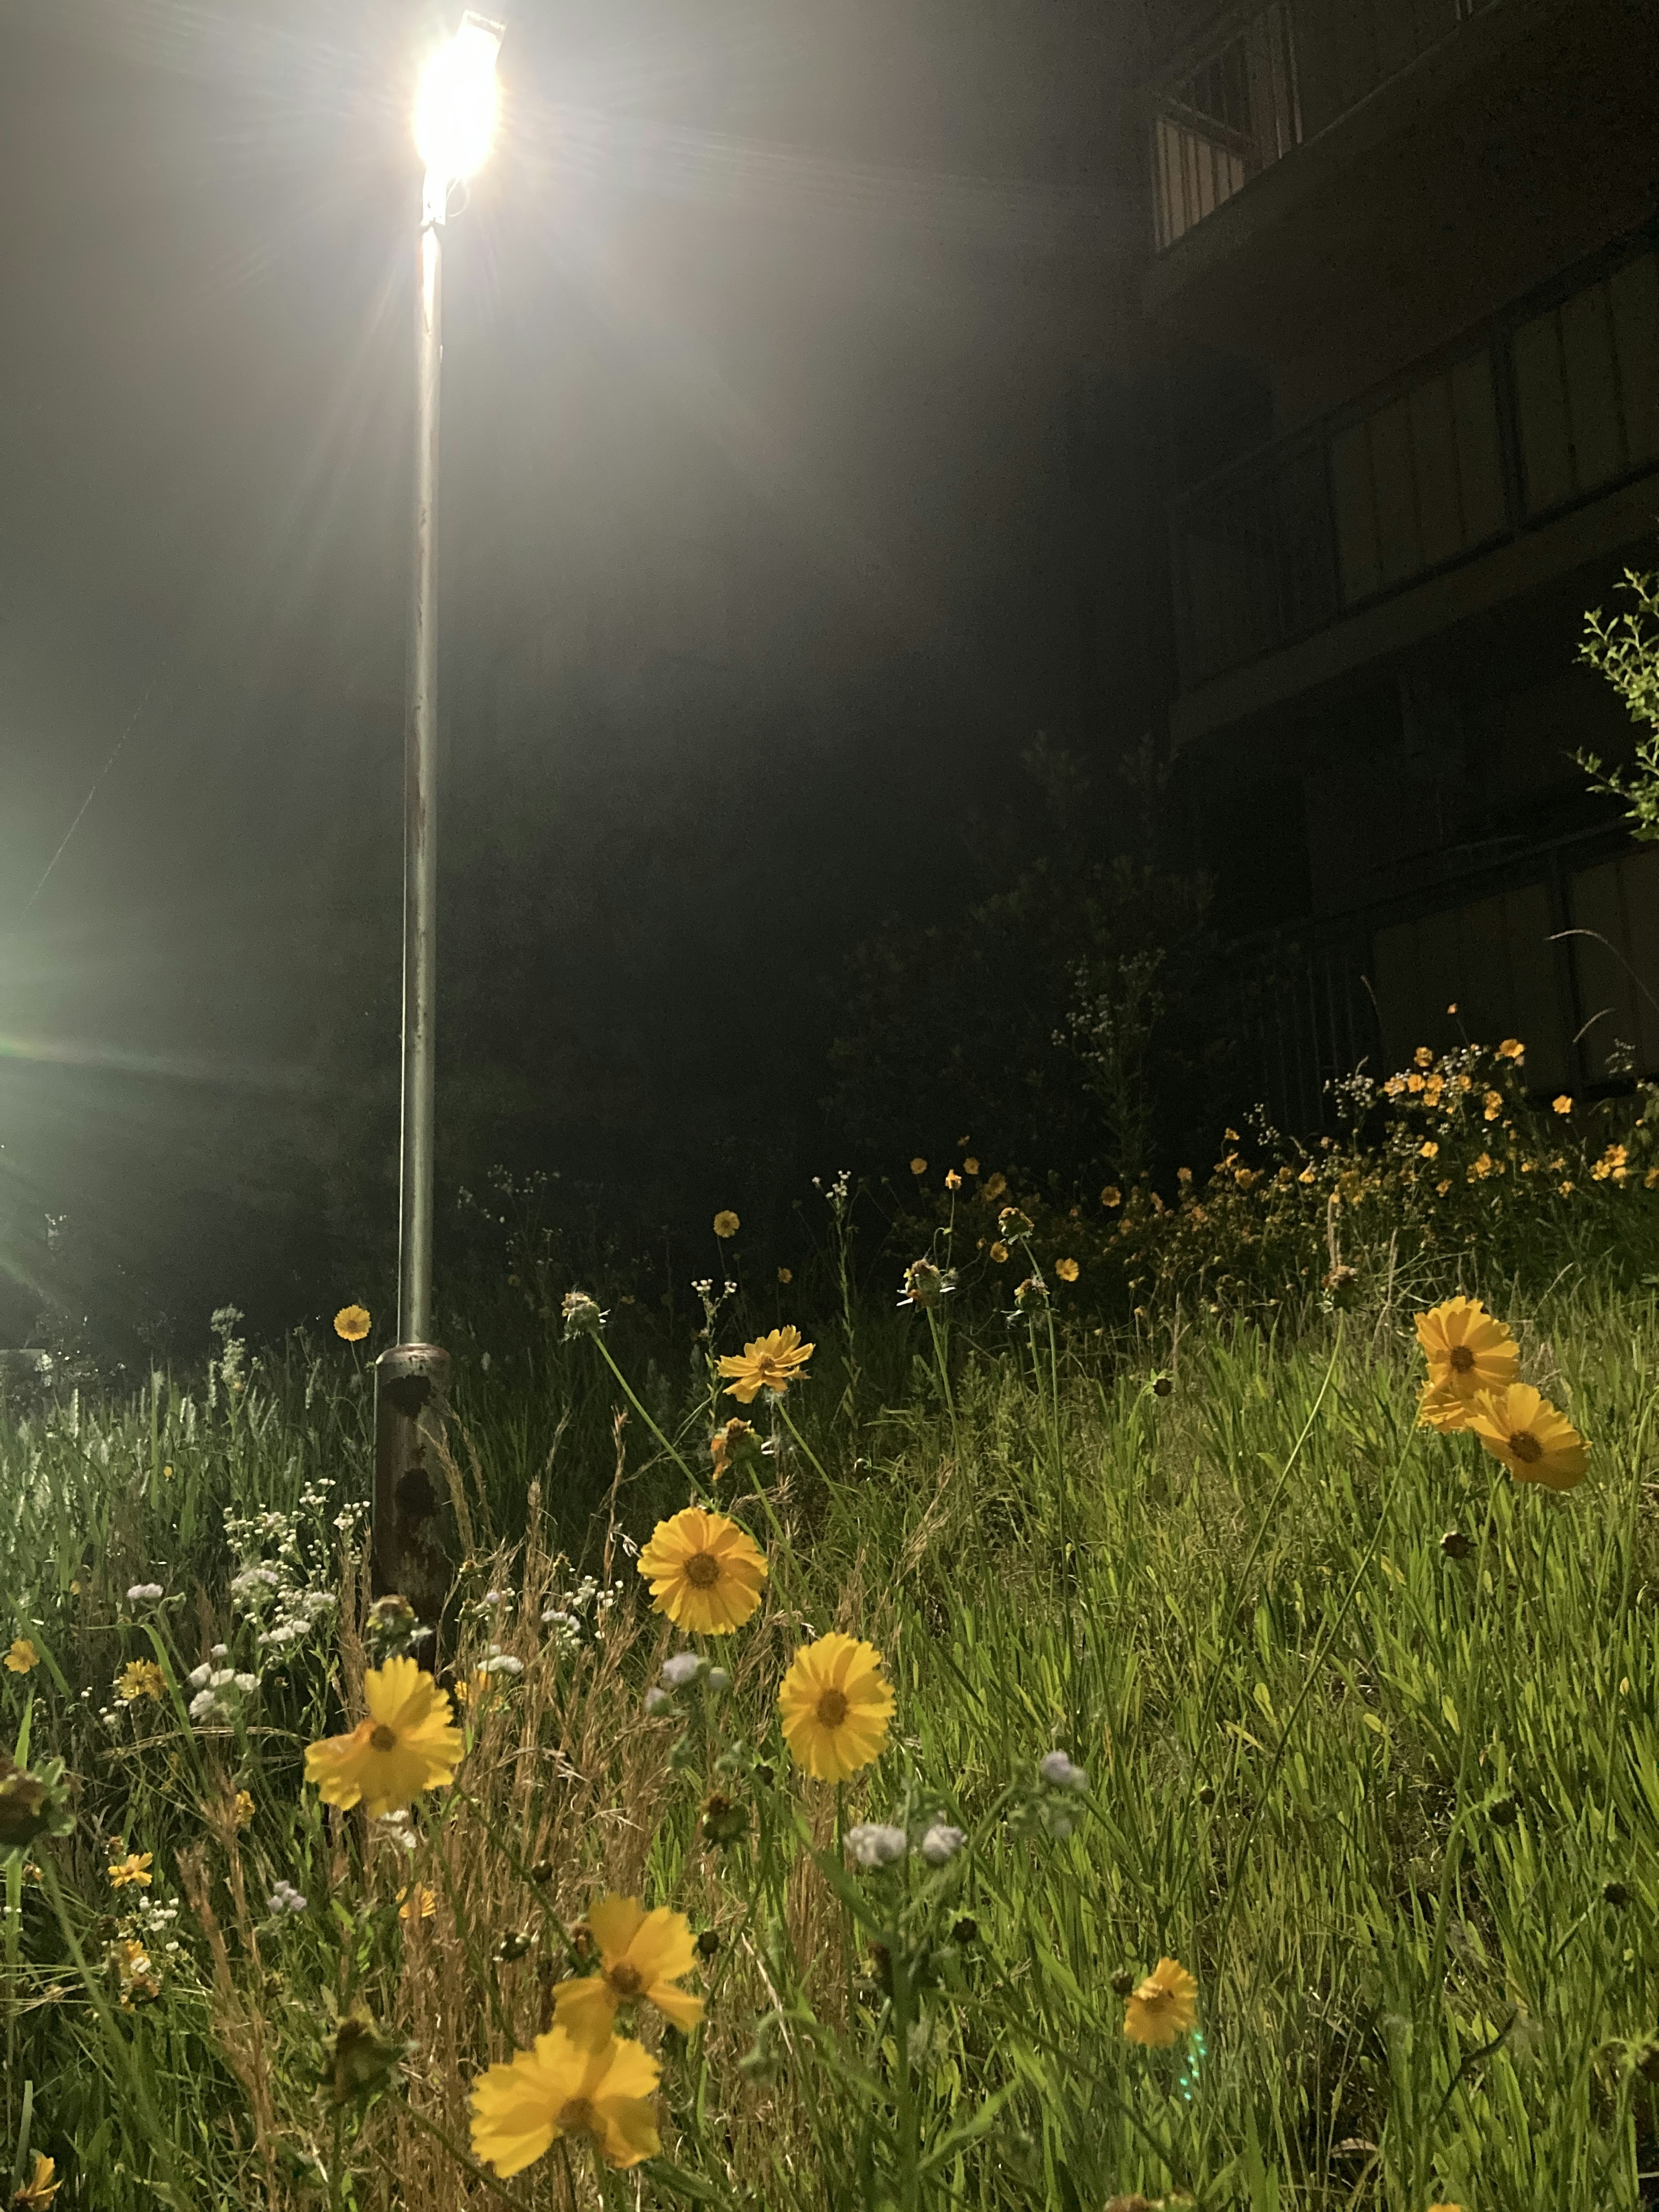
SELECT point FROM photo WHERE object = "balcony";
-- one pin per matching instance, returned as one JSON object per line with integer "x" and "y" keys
{"x": 1543, "y": 410}
{"x": 1265, "y": 78}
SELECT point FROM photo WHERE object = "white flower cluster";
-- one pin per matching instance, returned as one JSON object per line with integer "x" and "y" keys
{"x": 284, "y": 1898}
{"x": 567, "y": 1614}
{"x": 874, "y": 1843}
{"x": 498, "y": 1662}
{"x": 279, "y": 1595}
{"x": 1060, "y": 1773}
{"x": 220, "y": 1692}
{"x": 156, "y": 1918}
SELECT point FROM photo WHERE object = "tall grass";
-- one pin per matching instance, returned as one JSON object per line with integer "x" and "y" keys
{"x": 1393, "y": 1800}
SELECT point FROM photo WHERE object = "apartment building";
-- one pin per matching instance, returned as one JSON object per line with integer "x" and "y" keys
{"x": 1403, "y": 296}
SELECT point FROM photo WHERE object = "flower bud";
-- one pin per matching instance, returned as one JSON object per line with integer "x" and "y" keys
{"x": 582, "y": 1316}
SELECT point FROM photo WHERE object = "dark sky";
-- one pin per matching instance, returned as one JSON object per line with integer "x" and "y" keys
{"x": 817, "y": 295}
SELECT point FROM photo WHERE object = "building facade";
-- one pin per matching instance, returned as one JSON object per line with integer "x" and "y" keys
{"x": 1403, "y": 298}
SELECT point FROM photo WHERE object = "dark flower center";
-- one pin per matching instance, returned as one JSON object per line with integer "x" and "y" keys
{"x": 1526, "y": 1448}
{"x": 702, "y": 1571}
{"x": 383, "y": 1739}
{"x": 831, "y": 1709}
{"x": 578, "y": 2117}
{"x": 626, "y": 1980}
{"x": 1462, "y": 1359}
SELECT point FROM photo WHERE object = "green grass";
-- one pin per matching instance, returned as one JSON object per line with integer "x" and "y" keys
{"x": 1371, "y": 1793}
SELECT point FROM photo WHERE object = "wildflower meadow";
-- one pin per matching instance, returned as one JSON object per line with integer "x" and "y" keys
{"x": 1025, "y": 1699}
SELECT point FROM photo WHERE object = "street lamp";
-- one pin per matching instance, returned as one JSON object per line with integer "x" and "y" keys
{"x": 455, "y": 121}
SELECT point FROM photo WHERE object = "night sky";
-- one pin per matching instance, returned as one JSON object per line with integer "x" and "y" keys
{"x": 778, "y": 518}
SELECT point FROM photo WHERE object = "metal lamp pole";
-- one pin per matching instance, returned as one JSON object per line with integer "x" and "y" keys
{"x": 454, "y": 118}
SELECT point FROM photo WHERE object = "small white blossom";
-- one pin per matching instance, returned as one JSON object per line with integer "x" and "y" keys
{"x": 941, "y": 1843}
{"x": 872, "y": 1844}
{"x": 140, "y": 1591}
{"x": 1057, "y": 1770}
{"x": 659, "y": 1702}
{"x": 685, "y": 1667}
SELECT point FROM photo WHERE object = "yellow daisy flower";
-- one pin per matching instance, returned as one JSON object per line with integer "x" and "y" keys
{"x": 242, "y": 1809}
{"x": 918, "y": 1166}
{"x": 21, "y": 1657}
{"x": 727, "y": 1223}
{"x": 133, "y": 1871}
{"x": 1534, "y": 1441}
{"x": 423, "y": 1903}
{"x": 771, "y": 1362}
{"x": 1165, "y": 2006}
{"x": 41, "y": 2187}
{"x": 1561, "y": 1105}
{"x": 1467, "y": 1353}
{"x": 704, "y": 1570}
{"x": 522, "y": 2106}
{"x": 836, "y": 1706}
{"x": 1067, "y": 1270}
{"x": 139, "y": 1678}
{"x": 1512, "y": 1048}
{"x": 642, "y": 1954}
{"x": 1111, "y": 1195}
{"x": 351, "y": 1323}
{"x": 408, "y": 1743}
{"x": 970, "y": 1166}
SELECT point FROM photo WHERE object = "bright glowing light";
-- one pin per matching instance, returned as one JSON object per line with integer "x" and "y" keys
{"x": 455, "y": 105}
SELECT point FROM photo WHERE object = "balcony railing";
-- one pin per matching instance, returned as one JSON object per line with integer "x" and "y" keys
{"x": 1557, "y": 401}
{"x": 1269, "y": 76}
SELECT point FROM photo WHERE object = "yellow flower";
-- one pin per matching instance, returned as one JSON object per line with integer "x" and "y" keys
{"x": 1440, "y": 1406}
{"x": 1467, "y": 1353}
{"x": 642, "y": 1954}
{"x": 351, "y": 1322}
{"x": 772, "y": 1362}
{"x": 242, "y": 1809}
{"x": 952, "y": 1180}
{"x": 704, "y": 1572}
{"x": 785, "y": 1274}
{"x": 423, "y": 1902}
{"x": 727, "y": 1223}
{"x": 836, "y": 1706}
{"x": 139, "y": 1678}
{"x": 1562, "y": 1105}
{"x": 1534, "y": 1441}
{"x": 1481, "y": 1169}
{"x": 1111, "y": 1195}
{"x": 1164, "y": 2007}
{"x": 1433, "y": 1088}
{"x": 1422, "y": 1056}
{"x": 1309, "y": 1174}
{"x": 522, "y": 2106}
{"x": 1394, "y": 1086}
{"x": 1414, "y": 1083}
{"x": 918, "y": 1166}
{"x": 1429, "y": 1149}
{"x": 1650, "y": 1179}
{"x": 970, "y": 1166}
{"x": 995, "y": 1185}
{"x": 1494, "y": 1105}
{"x": 1000, "y": 1252}
{"x": 22, "y": 1656}
{"x": 408, "y": 1743}
{"x": 1442, "y": 1187}
{"x": 1067, "y": 1270}
{"x": 1512, "y": 1048}
{"x": 730, "y": 1446}
{"x": 40, "y": 2188}
{"x": 1612, "y": 1163}
{"x": 133, "y": 1870}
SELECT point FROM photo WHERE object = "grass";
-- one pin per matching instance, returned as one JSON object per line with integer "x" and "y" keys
{"x": 1392, "y": 1801}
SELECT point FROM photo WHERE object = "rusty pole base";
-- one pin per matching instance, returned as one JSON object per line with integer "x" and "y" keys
{"x": 412, "y": 1513}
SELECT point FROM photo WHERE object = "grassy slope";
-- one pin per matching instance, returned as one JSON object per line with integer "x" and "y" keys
{"x": 1307, "y": 1727}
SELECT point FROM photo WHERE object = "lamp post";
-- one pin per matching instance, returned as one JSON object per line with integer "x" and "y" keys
{"x": 454, "y": 121}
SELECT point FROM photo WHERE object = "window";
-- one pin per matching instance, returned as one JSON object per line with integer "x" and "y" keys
{"x": 1233, "y": 116}
{"x": 1587, "y": 386}
{"x": 1419, "y": 480}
